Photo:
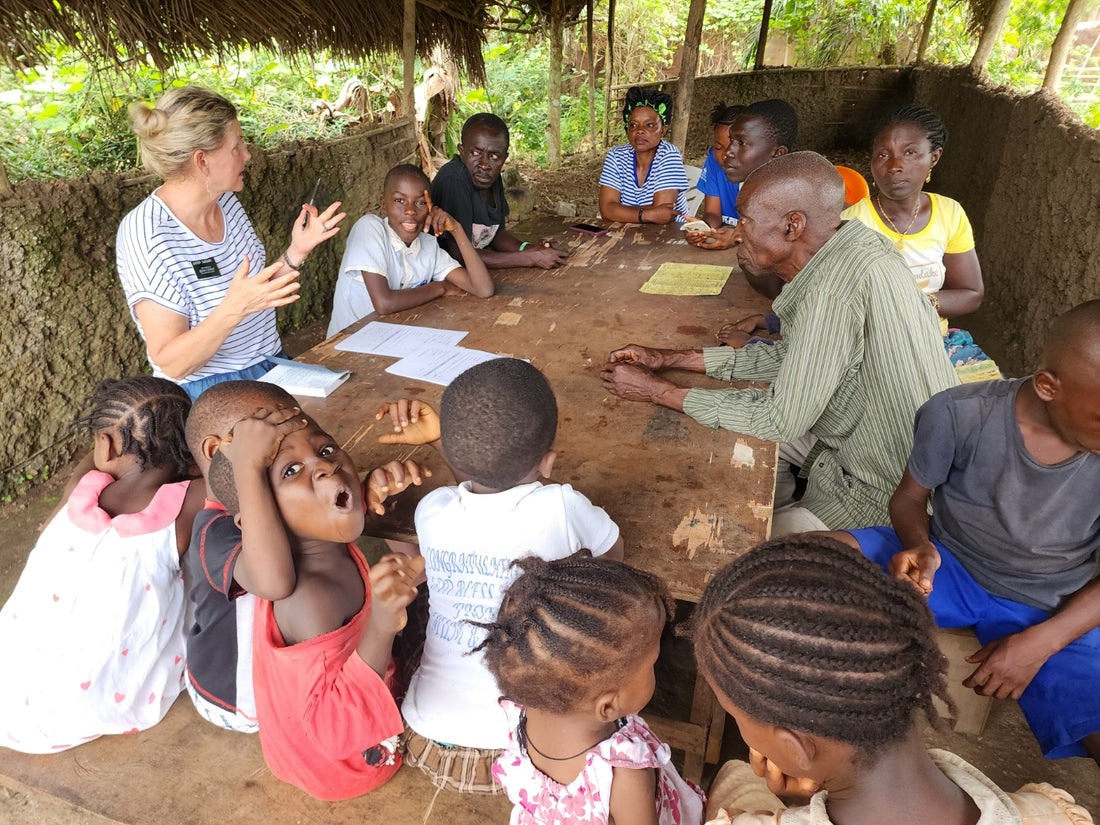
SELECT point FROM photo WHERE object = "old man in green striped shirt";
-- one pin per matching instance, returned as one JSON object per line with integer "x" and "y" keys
{"x": 861, "y": 351}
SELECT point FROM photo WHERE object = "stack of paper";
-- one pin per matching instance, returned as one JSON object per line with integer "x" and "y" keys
{"x": 426, "y": 354}
{"x": 305, "y": 379}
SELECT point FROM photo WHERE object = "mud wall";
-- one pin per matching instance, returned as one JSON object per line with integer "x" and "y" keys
{"x": 1025, "y": 168}
{"x": 65, "y": 324}
{"x": 835, "y": 106}
{"x": 1028, "y": 172}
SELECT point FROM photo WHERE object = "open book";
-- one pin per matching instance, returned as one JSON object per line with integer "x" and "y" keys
{"x": 305, "y": 379}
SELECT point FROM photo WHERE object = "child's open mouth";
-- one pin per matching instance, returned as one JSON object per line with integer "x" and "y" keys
{"x": 343, "y": 499}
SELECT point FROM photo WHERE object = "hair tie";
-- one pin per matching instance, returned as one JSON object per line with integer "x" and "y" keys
{"x": 660, "y": 108}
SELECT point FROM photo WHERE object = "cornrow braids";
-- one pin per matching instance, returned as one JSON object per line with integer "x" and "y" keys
{"x": 804, "y": 632}
{"x": 568, "y": 629}
{"x": 723, "y": 115}
{"x": 928, "y": 121}
{"x": 148, "y": 414}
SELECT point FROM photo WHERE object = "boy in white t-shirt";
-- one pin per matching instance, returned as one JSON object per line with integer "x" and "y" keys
{"x": 397, "y": 263}
{"x": 497, "y": 421}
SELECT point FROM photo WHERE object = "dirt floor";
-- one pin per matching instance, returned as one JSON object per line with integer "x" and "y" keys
{"x": 1005, "y": 750}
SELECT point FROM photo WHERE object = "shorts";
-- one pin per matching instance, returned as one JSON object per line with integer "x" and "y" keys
{"x": 466, "y": 770}
{"x": 217, "y": 715}
{"x": 1062, "y": 703}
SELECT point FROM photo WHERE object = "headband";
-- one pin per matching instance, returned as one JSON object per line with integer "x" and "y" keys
{"x": 660, "y": 108}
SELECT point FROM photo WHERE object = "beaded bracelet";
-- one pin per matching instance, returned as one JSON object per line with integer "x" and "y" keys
{"x": 286, "y": 260}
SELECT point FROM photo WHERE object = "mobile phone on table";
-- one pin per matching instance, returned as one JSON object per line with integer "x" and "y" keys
{"x": 588, "y": 229}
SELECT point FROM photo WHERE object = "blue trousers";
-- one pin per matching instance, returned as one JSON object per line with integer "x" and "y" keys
{"x": 1062, "y": 702}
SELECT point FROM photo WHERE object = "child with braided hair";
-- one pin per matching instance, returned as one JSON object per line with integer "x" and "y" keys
{"x": 823, "y": 661}
{"x": 92, "y": 638}
{"x": 573, "y": 646}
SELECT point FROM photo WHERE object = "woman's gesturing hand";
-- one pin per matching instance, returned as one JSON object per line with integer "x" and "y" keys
{"x": 248, "y": 294}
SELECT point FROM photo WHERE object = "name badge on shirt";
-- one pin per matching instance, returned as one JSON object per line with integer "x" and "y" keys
{"x": 206, "y": 269}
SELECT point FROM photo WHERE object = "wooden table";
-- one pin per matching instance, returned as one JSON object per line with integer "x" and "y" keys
{"x": 687, "y": 499}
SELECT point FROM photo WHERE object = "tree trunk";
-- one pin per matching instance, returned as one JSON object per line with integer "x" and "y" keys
{"x": 553, "y": 103}
{"x": 1062, "y": 44}
{"x": 609, "y": 73}
{"x": 991, "y": 30}
{"x": 591, "y": 74}
{"x": 6, "y": 191}
{"x": 409, "y": 50}
{"x": 762, "y": 41}
{"x": 926, "y": 30}
{"x": 689, "y": 64}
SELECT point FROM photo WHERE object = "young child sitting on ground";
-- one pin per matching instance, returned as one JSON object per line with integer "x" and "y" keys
{"x": 498, "y": 422}
{"x": 1013, "y": 468}
{"x": 325, "y": 622}
{"x": 823, "y": 662}
{"x": 395, "y": 264}
{"x": 573, "y": 646}
{"x": 219, "y": 641}
{"x": 92, "y": 636}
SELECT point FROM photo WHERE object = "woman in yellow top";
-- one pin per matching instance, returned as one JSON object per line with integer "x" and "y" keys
{"x": 930, "y": 231}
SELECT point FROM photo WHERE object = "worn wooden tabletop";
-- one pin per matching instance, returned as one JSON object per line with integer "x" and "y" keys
{"x": 686, "y": 498}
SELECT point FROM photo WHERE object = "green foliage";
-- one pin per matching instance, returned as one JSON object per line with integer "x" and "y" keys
{"x": 70, "y": 117}
{"x": 517, "y": 91}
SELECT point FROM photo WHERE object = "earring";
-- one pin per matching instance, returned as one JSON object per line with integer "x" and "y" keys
{"x": 929, "y": 178}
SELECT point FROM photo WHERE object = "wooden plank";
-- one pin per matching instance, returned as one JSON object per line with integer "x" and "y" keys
{"x": 687, "y": 499}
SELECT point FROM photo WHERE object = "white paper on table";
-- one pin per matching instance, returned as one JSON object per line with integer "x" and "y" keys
{"x": 304, "y": 379}
{"x": 398, "y": 340}
{"x": 439, "y": 365}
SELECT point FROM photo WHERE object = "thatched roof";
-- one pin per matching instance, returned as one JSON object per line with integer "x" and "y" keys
{"x": 168, "y": 30}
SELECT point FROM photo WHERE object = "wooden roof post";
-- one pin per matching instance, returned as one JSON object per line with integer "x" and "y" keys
{"x": 1062, "y": 44}
{"x": 991, "y": 30}
{"x": 591, "y": 74}
{"x": 553, "y": 102}
{"x": 609, "y": 74}
{"x": 689, "y": 64}
{"x": 409, "y": 49}
{"x": 762, "y": 41}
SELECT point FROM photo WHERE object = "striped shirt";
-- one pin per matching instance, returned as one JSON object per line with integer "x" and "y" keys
{"x": 861, "y": 351}
{"x": 620, "y": 172}
{"x": 161, "y": 260}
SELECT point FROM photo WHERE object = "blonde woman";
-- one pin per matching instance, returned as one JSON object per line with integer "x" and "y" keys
{"x": 193, "y": 269}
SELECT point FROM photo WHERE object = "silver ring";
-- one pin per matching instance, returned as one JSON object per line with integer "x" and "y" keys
{"x": 324, "y": 226}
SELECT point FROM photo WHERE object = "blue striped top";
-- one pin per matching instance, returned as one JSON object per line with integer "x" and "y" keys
{"x": 620, "y": 172}
{"x": 157, "y": 257}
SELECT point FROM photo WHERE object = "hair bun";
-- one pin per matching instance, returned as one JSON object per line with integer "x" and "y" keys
{"x": 147, "y": 121}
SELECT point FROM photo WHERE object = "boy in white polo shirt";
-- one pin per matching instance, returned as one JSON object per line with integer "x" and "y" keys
{"x": 396, "y": 263}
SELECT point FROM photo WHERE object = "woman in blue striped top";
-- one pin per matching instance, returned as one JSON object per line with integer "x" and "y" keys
{"x": 644, "y": 181}
{"x": 189, "y": 260}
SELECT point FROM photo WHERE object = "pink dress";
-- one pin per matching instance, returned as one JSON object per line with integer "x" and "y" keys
{"x": 539, "y": 800}
{"x": 92, "y": 638}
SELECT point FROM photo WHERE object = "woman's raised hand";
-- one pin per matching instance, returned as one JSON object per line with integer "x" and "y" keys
{"x": 319, "y": 227}
{"x": 249, "y": 294}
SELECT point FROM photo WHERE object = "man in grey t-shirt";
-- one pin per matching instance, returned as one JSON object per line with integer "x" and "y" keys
{"x": 1013, "y": 468}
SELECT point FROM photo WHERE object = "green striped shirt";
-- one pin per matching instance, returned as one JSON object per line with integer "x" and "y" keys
{"x": 861, "y": 351}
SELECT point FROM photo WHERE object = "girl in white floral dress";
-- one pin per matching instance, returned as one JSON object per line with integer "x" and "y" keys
{"x": 92, "y": 638}
{"x": 573, "y": 649}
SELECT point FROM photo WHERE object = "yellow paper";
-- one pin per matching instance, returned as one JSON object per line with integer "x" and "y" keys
{"x": 687, "y": 279}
